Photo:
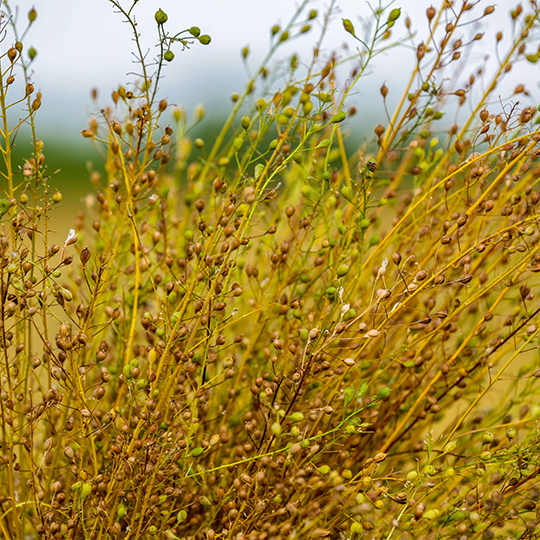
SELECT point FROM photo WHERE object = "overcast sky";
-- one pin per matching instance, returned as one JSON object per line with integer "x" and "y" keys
{"x": 83, "y": 44}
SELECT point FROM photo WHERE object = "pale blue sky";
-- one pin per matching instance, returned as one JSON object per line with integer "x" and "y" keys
{"x": 82, "y": 44}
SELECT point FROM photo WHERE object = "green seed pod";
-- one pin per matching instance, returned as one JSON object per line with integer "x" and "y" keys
{"x": 282, "y": 119}
{"x": 331, "y": 292}
{"x": 85, "y": 490}
{"x": 312, "y": 14}
{"x": 488, "y": 438}
{"x": 76, "y": 486}
{"x": 394, "y": 15}
{"x": 307, "y": 107}
{"x": 205, "y": 39}
{"x": 432, "y": 514}
{"x": 349, "y": 314}
{"x": 347, "y": 193}
{"x": 181, "y": 516}
{"x": 374, "y": 240}
{"x": 32, "y": 15}
{"x": 276, "y": 429}
{"x": 348, "y": 395}
{"x": 195, "y": 31}
{"x": 196, "y": 452}
{"x": 160, "y": 16}
{"x": 348, "y": 25}
{"x": 450, "y": 447}
{"x": 338, "y": 117}
{"x": 511, "y": 433}
{"x": 245, "y": 122}
{"x": 127, "y": 372}
{"x": 237, "y": 144}
{"x": 324, "y": 469}
{"x": 364, "y": 223}
{"x": 384, "y": 393}
{"x": 342, "y": 270}
{"x": 449, "y": 473}
{"x": 32, "y": 53}
{"x": 169, "y": 56}
{"x": 296, "y": 417}
{"x": 121, "y": 511}
{"x": 412, "y": 476}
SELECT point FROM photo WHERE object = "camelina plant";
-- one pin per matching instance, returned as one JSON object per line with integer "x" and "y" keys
{"x": 269, "y": 335}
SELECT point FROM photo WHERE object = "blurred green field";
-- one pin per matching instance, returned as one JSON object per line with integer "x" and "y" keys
{"x": 68, "y": 165}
